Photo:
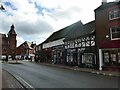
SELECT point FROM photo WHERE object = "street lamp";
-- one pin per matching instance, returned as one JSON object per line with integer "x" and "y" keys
{"x": 2, "y": 8}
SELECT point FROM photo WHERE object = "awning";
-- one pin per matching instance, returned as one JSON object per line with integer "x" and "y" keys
{"x": 31, "y": 54}
{"x": 110, "y": 44}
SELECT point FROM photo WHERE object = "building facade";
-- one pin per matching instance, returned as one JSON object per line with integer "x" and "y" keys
{"x": 107, "y": 21}
{"x": 94, "y": 45}
{"x": 9, "y": 43}
{"x": 53, "y": 47}
{"x": 80, "y": 46}
{"x": 26, "y": 51}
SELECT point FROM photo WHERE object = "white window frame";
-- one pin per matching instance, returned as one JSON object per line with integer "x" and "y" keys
{"x": 111, "y": 35}
{"x": 114, "y": 11}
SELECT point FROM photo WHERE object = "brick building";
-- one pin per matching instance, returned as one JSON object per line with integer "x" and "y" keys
{"x": 26, "y": 50}
{"x": 8, "y": 43}
{"x": 95, "y": 44}
{"x": 107, "y": 22}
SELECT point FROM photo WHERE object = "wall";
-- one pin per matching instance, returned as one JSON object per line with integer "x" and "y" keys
{"x": 53, "y": 43}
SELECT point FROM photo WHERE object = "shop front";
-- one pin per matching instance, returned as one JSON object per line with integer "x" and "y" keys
{"x": 81, "y": 57}
{"x": 58, "y": 55}
{"x": 109, "y": 55}
{"x": 72, "y": 57}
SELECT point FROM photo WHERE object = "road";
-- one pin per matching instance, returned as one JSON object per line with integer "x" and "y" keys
{"x": 41, "y": 76}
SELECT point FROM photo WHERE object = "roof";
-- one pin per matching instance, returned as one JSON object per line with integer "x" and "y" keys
{"x": 107, "y": 5}
{"x": 3, "y": 35}
{"x": 63, "y": 32}
{"x": 85, "y": 29}
{"x": 29, "y": 44}
{"x": 12, "y": 31}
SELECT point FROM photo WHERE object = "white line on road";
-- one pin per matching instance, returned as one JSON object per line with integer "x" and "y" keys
{"x": 24, "y": 82}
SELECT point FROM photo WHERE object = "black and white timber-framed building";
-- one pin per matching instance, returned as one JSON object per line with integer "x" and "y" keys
{"x": 80, "y": 46}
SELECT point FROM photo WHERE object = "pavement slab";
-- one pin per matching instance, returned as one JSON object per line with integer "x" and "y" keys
{"x": 9, "y": 81}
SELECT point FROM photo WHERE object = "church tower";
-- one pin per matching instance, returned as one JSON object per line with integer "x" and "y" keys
{"x": 12, "y": 42}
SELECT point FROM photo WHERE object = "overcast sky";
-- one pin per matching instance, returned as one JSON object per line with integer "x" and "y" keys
{"x": 35, "y": 20}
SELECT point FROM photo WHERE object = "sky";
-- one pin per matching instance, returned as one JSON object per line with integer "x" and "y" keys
{"x": 36, "y": 20}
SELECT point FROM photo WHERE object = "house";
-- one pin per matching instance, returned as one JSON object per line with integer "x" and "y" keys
{"x": 39, "y": 57}
{"x": 95, "y": 44}
{"x": 80, "y": 46}
{"x": 53, "y": 46}
{"x": 8, "y": 44}
{"x": 107, "y": 26}
{"x": 26, "y": 50}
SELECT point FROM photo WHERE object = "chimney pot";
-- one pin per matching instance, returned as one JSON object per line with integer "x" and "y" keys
{"x": 104, "y": 2}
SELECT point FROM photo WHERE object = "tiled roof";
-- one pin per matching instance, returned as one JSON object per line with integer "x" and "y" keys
{"x": 27, "y": 44}
{"x": 81, "y": 31}
{"x": 63, "y": 32}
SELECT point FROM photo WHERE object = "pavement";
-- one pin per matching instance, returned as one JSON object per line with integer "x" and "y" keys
{"x": 88, "y": 70}
{"x": 9, "y": 81}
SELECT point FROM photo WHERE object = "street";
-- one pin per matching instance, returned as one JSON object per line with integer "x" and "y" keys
{"x": 41, "y": 76}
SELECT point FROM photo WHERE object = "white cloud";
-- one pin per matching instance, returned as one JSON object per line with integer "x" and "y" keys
{"x": 36, "y": 23}
{"x": 20, "y": 40}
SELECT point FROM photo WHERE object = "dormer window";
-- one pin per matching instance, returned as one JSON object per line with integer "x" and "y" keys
{"x": 115, "y": 32}
{"x": 114, "y": 14}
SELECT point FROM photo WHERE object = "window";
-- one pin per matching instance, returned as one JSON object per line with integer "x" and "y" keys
{"x": 113, "y": 58}
{"x": 115, "y": 13}
{"x": 76, "y": 45}
{"x": 106, "y": 57}
{"x": 118, "y": 57}
{"x": 72, "y": 44}
{"x": 87, "y": 59}
{"x": 115, "y": 32}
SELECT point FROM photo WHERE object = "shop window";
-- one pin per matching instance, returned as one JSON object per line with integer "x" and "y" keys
{"x": 106, "y": 57}
{"x": 115, "y": 32}
{"x": 114, "y": 14}
{"x": 118, "y": 57}
{"x": 87, "y": 59}
{"x": 113, "y": 58}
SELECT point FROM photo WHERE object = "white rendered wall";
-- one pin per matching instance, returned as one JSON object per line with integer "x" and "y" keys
{"x": 53, "y": 43}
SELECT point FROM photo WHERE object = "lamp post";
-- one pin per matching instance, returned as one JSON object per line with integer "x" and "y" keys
{"x": 2, "y": 8}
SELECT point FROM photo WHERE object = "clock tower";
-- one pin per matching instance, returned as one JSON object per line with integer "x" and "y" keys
{"x": 12, "y": 42}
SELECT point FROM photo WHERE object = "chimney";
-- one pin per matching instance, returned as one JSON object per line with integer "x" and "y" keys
{"x": 104, "y": 2}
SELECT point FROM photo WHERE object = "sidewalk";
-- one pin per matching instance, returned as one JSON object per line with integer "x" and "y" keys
{"x": 88, "y": 70}
{"x": 9, "y": 82}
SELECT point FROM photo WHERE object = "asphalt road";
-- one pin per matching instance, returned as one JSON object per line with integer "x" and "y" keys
{"x": 40, "y": 76}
